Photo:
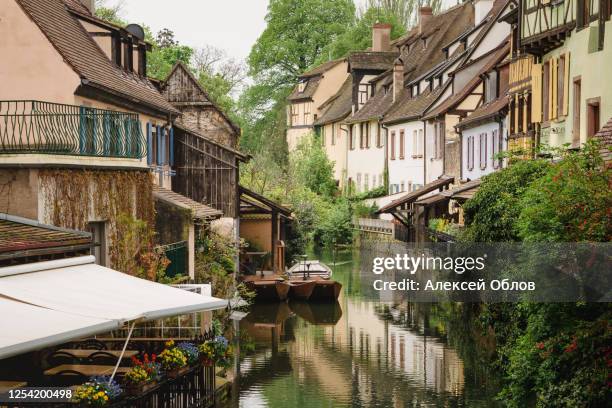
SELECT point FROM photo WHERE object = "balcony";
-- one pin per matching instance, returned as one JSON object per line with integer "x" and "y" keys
{"x": 36, "y": 127}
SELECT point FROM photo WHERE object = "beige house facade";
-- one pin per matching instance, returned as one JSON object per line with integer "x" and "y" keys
{"x": 314, "y": 88}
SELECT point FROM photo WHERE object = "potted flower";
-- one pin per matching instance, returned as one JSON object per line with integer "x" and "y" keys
{"x": 97, "y": 392}
{"x": 143, "y": 375}
{"x": 216, "y": 352}
{"x": 190, "y": 351}
{"x": 172, "y": 360}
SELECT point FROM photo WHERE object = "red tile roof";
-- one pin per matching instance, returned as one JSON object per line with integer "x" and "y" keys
{"x": 492, "y": 60}
{"x": 17, "y": 235}
{"x": 86, "y": 58}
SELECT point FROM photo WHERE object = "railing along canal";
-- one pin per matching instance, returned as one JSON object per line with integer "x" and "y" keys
{"x": 52, "y": 128}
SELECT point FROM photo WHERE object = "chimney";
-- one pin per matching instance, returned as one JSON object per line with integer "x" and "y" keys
{"x": 90, "y": 4}
{"x": 398, "y": 78}
{"x": 481, "y": 9}
{"x": 425, "y": 14}
{"x": 381, "y": 37}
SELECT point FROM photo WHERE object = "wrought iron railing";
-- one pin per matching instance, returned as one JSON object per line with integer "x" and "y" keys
{"x": 52, "y": 128}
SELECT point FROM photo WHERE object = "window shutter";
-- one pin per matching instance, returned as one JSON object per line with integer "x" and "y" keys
{"x": 171, "y": 147}
{"x": 553, "y": 88}
{"x": 149, "y": 144}
{"x": 159, "y": 146}
{"x": 536, "y": 90}
{"x": 566, "y": 82}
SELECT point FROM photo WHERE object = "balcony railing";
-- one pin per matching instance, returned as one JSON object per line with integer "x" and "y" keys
{"x": 52, "y": 128}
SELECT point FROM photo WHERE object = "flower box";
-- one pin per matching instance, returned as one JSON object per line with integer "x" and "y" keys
{"x": 134, "y": 390}
{"x": 177, "y": 372}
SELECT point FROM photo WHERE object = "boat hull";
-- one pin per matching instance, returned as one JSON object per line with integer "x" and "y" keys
{"x": 301, "y": 290}
{"x": 269, "y": 291}
{"x": 326, "y": 291}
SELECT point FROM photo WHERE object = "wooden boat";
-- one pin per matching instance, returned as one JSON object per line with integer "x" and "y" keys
{"x": 309, "y": 269}
{"x": 301, "y": 289}
{"x": 269, "y": 290}
{"x": 324, "y": 289}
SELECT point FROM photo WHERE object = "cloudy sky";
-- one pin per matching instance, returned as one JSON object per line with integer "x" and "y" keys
{"x": 232, "y": 25}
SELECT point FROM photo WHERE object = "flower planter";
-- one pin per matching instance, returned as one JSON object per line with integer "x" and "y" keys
{"x": 134, "y": 390}
{"x": 206, "y": 361}
{"x": 176, "y": 372}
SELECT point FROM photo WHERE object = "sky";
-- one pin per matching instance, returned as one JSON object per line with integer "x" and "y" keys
{"x": 232, "y": 25}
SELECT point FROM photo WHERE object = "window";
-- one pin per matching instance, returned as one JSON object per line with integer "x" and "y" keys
{"x": 98, "y": 235}
{"x": 560, "y": 85}
{"x": 415, "y": 143}
{"x": 295, "y": 111}
{"x": 439, "y": 139}
{"x": 364, "y": 93}
{"x": 545, "y": 95}
{"x": 402, "y": 187}
{"x": 323, "y": 141}
{"x": 393, "y": 145}
{"x": 470, "y": 153}
{"x": 577, "y": 102}
{"x": 366, "y": 182}
{"x": 358, "y": 182}
{"x": 401, "y": 145}
{"x": 497, "y": 142}
{"x": 333, "y": 134}
{"x": 482, "y": 146}
{"x": 367, "y": 134}
{"x": 491, "y": 87}
{"x": 379, "y": 136}
{"x": 583, "y": 13}
{"x": 361, "y": 135}
{"x": 592, "y": 117}
{"x": 307, "y": 113}
{"x": 420, "y": 144}
{"x": 373, "y": 181}
{"x": 301, "y": 86}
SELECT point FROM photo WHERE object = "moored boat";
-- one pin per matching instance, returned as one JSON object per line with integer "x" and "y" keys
{"x": 307, "y": 269}
{"x": 301, "y": 289}
{"x": 269, "y": 290}
{"x": 325, "y": 290}
{"x": 317, "y": 275}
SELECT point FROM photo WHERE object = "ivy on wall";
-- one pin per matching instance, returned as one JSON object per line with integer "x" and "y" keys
{"x": 123, "y": 199}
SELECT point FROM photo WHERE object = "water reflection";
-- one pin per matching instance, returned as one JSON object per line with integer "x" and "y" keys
{"x": 370, "y": 349}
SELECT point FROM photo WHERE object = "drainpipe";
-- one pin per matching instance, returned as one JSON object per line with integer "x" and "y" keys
{"x": 386, "y": 166}
{"x": 460, "y": 154}
{"x": 347, "y": 134}
{"x": 424, "y": 153}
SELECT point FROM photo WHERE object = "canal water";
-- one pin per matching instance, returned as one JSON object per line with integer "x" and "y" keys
{"x": 370, "y": 349}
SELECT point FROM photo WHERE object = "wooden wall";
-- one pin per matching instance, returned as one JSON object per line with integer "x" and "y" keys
{"x": 206, "y": 172}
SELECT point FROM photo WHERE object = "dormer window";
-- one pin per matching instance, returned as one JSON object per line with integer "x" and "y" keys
{"x": 301, "y": 86}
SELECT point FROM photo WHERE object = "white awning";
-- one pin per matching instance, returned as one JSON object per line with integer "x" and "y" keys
{"x": 93, "y": 295}
{"x": 25, "y": 327}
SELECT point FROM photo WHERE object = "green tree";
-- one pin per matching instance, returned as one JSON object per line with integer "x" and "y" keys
{"x": 294, "y": 38}
{"x": 358, "y": 37}
{"x": 571, "y": 202}
{"x": 405, "y": 10}
{"x": 310, "y": 167}
{"x": 492, "y": 214}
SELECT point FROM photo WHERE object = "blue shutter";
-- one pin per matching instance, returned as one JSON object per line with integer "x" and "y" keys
{"x": 149, "y": 144}
{"x": 106, "y": 134}
{"x": 159, "y": 148}
{"x": 171, "y": 147}
{"x": 82, "y": 129}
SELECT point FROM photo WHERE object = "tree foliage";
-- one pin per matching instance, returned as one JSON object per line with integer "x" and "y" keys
{"x": 358, "y": 36}
{"x": 406, "y": 11}
{"x": 492, "y": 214}
{"x": 572, "y": 201}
